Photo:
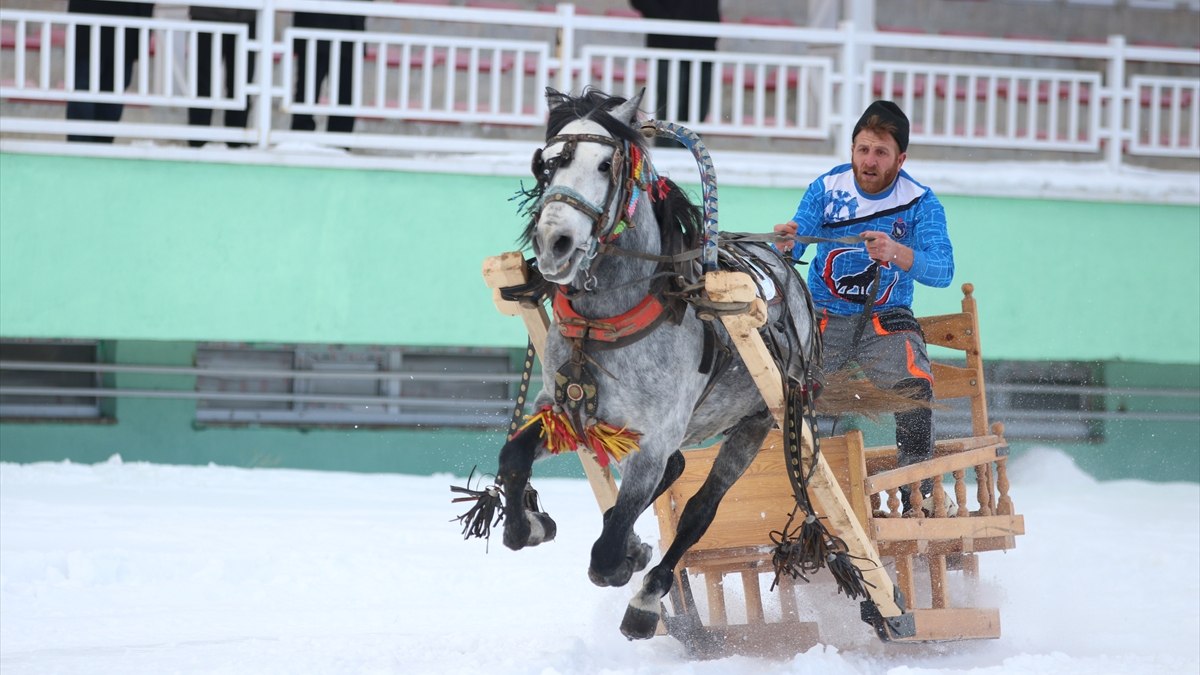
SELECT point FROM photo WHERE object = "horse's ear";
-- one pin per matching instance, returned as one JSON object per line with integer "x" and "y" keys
{"x": 627, "y": 111}
{"x": 553, "y": 97}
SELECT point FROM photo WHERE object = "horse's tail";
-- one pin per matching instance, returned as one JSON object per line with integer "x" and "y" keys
{"x": 846, "y": 392}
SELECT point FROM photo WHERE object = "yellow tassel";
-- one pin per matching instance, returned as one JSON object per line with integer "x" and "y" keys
{"x": 617, "y": 443}
{"x": 602, "y": 438}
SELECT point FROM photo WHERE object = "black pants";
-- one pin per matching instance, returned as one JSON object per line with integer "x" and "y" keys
{"x": 345, "y": 83}
{"x": 685, "y": 93}
{"x": 89, "y": 110}
{"x": 203, "y": 116}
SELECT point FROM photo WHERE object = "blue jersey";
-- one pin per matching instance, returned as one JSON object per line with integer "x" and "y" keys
{"x": 840, "y": 274}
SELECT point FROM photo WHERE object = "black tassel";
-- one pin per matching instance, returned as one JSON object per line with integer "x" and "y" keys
{"x": 485, "y": 513}
{"x": 849, "y": 578}
{"x": 814, "y": 544}
{"x": 800, "y": 551}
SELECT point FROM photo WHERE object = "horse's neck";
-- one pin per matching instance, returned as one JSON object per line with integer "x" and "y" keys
{"x": 622, "y": 281}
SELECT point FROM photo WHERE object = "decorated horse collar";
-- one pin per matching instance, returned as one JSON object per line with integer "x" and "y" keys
{"x": 615, "y": 330}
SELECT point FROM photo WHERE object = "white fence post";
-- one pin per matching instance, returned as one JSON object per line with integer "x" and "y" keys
{"x": 1120, "y": 98}
{"x": 566, "y": 47}
{"x": 266, "y": 70}
{"x": 850, "y": 91}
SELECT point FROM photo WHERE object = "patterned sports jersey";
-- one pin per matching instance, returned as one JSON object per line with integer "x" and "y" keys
{"x": 840, "y": 274}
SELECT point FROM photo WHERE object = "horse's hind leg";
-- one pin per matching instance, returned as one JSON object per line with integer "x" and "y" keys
{"x": 737, "y": 452}
{"x": 522, "y": 527}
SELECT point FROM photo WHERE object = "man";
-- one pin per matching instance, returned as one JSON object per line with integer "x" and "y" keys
{"x": 902, "y": 227}
{"x": 346, "y": 53}
{"x": 92, "y": 110}
{"x": 204, "y": 71}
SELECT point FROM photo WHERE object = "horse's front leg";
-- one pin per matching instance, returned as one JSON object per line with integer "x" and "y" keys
{"x": 619, "y": 552}
{"x": 737, "y": 452}
{"x": 522, "y": 527}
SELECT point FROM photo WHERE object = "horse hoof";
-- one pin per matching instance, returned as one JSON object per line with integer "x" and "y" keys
{"x": 516, "y": 536}
{"x": 641, "y": 557}
{"x": 639, "y": 624}
{"x": 536, "y": 528}
{"x": 548, "y": 526}
{"x": 618, "y": 577}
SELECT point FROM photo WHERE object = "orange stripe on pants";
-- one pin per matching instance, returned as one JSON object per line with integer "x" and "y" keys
{"x": 912, "y": 364}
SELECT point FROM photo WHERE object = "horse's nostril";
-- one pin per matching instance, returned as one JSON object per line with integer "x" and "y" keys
{"x": 563, "y": 245}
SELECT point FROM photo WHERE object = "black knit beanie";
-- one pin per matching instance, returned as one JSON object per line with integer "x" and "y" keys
{"x": 888, "y": 112}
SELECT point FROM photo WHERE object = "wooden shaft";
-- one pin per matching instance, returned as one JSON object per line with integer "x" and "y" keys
{"x": 508, "y": 269}
{"x": 823, "y": 484}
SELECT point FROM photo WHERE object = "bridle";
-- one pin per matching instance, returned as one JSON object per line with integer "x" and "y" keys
{"x": 608, "y": 218}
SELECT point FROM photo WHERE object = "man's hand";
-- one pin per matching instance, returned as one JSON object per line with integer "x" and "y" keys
{"x": 883, "y": 248}
{"x": 787, "y": 229}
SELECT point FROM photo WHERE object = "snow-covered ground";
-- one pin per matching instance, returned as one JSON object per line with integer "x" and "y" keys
{"x": 138, "y": 568}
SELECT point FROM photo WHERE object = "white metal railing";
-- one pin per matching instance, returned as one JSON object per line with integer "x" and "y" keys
{"x": 1113, "y": 101}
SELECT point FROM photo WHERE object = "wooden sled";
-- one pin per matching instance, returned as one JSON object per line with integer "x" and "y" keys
{"x": 857, "y": 489}
{"x": 847, "y": 485}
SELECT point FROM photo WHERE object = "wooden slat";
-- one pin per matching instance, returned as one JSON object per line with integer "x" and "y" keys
{"x": 955, "y": 624}
{"x": 930, "y": 468}
{"x": 937, "y": 581}
{"x": 904, "y": 579}
{"x": 933, "y": 529}
{"x": 781, "y": 640}
{"x": 787, "y": 599}
{"x": 948, "y": 546}
{"x": 883, "y": 458}
{"x": 948, "y": 330}
{"x": 714, "y": 584}
{"x": 954, "y": 382}
{"x": 754, "y": 606}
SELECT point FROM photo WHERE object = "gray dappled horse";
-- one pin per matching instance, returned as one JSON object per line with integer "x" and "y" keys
{"x": 626, "y": 354}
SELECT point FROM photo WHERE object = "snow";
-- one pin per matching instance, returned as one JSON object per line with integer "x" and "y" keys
{"x": 137, "y": 568}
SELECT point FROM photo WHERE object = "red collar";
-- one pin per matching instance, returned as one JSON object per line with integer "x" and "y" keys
{"x": 572, "y": 325}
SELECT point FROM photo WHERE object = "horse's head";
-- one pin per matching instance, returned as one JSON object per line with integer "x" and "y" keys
{"x": 590, "y": 174}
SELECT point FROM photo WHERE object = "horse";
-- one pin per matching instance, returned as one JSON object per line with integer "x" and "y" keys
{"x": 631, "y": 369}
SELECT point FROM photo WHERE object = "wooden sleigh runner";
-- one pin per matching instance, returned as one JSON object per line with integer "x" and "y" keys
{"x": 856, "y": 489}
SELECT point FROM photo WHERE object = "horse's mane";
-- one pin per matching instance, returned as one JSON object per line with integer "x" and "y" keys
{"x": 671, "y": 205}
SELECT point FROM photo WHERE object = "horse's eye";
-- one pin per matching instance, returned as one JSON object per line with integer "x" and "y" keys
{"x": 604, "y": 167}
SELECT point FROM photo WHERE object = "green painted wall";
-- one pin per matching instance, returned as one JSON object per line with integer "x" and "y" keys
{"x": 155, "y": 256}
{"x": 127, "y": 249}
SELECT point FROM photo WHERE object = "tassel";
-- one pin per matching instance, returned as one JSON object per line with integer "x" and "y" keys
{"x": 484, "y": 514}
{"x": 608, "y": 441}
{"x": 849, "y": 578}
{"x": 797, "y": 551}
{"x": 557, "y": 434}
{"x": 602, "y": 438}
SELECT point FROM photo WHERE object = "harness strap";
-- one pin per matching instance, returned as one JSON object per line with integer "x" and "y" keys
{"x": 573, "y": 326}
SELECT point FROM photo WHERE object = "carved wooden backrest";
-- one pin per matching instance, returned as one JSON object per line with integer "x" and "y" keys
{"x": 960, "y": 332}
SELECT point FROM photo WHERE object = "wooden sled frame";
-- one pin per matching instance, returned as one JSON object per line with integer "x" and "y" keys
{"x": 847, "y": 483}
